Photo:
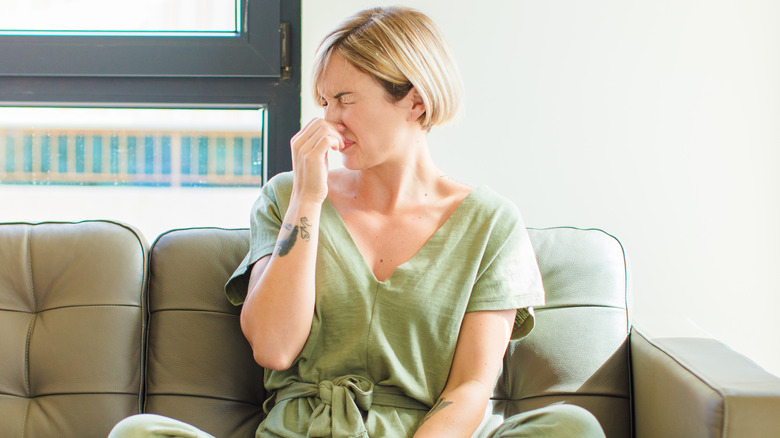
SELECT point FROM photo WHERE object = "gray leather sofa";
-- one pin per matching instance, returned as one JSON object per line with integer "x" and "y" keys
{"x": 95, "y": 326}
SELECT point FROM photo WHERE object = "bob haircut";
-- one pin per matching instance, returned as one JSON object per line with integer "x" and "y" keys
{"x": 400, "y": 48}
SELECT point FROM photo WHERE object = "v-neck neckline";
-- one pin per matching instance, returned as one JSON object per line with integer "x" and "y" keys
{"x": 436, "y": 234}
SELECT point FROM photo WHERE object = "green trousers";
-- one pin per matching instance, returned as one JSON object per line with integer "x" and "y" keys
{"x": 560, "y": 421}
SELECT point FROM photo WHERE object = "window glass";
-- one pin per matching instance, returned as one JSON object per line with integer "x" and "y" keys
{"x": 155, "y": 169}
{"x": 177, "y": 17}
{"x": 114, "y": 146}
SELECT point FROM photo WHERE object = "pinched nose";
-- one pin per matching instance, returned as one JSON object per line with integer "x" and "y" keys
{"x": 341, "y": 127}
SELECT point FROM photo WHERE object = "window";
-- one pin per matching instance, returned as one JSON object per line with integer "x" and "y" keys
{"x": 239, "y": 71}
{"x": 243, "y": 60}
{"x": 142, "y": 147}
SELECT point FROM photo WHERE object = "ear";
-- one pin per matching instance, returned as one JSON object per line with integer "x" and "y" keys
{"x": 415, "y": 104}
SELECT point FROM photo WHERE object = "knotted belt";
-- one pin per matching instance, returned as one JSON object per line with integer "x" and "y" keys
{"x": 342, "y": 403}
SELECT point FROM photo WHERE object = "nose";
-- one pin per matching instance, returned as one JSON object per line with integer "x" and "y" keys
{"x": 332, "y": 114}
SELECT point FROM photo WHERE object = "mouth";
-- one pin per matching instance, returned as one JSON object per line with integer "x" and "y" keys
{"x": 347, "y": 144}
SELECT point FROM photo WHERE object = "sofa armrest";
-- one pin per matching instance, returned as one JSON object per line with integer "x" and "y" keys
{"x": 695, "y": 387}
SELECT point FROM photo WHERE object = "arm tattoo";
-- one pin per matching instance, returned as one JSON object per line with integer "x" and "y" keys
{"x": 441, "y": 404}
{"x": 283, "y": 246}
{"x": 304, "y": 225}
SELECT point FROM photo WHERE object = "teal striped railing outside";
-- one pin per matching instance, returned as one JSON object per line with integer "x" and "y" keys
{"x": 137, "y": 158}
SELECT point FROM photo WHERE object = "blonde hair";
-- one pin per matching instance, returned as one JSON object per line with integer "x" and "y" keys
{"x": 400, "y": 48}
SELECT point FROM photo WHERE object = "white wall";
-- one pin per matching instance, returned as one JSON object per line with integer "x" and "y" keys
{"x": 151, "y": 210}
{"x": 658, "y": 121}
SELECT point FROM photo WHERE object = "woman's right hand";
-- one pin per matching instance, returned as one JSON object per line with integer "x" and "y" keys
{"x": 309, "y": 148}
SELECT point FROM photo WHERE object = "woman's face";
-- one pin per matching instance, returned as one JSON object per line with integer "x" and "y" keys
{"x": 375, "y": 130}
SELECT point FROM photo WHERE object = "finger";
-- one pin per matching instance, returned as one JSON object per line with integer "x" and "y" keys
{"x": 328, "y": 142}
{"x": 337, "y": 129}
{"x": 312, "y": 129}
{"x": 299, "y": 141}
{"x": 314, "y": 151}
{"x": 323, "y": 131}
{"x": 305, "y": 132}
{"x": 331, "y": 132}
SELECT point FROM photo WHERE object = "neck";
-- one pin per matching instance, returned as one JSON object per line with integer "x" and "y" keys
{"x": 394, "y": 186}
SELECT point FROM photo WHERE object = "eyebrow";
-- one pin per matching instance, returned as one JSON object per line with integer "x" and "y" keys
{"x": 341, "y": 94}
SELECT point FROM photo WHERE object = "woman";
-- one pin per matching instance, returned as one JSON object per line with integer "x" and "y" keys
{"x": 381, "y": 296}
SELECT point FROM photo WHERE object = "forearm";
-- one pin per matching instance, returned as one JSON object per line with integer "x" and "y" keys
{"x": 482, "y": 341}
{"x": 457, "y": 413}
{"x": 277, "y": 313}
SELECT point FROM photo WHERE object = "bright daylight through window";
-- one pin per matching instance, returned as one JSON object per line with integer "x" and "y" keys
{"x": 89, "y": 17}
{"x": 156, "y": 169}
{"x": 157, "y": 147}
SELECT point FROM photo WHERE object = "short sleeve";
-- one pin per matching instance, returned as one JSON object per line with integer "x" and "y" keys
{"x": 264, "y": 224}
{"x": 509, "y": 276}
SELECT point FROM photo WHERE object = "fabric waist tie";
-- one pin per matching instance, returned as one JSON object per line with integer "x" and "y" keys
{"x": 342, "y": 400}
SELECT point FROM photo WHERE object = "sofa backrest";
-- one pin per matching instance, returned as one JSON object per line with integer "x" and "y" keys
{"x": 578, "y": 350}
{"x": 200, "y": 367}
{"x": 201, "y": 370}
{"x": 76, "y": 348}
{"x": 71, "y": 327}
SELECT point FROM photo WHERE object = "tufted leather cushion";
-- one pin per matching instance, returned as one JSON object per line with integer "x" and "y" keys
{"x": 71, "y": 321}
{"x": 578, "y": 350}
{"x": 200, "y": 366}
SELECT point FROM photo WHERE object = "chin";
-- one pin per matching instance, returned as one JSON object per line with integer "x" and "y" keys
{"x": 350, "y": 163}
{"x": 351, "y": 166}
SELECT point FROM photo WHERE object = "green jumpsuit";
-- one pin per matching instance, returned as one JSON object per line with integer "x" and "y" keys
{"x": 388, "y": 345}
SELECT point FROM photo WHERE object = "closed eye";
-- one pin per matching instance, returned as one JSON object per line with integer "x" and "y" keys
{"x": 345, "y": 97}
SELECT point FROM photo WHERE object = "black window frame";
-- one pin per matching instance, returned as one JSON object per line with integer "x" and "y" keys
{"x": 245, "y": 71}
